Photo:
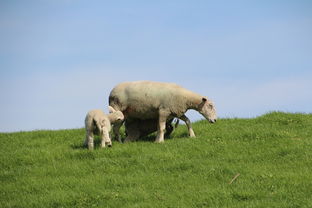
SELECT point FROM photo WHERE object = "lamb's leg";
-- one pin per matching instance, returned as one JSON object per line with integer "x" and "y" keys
{"x": 169, "y": 128}
{"x": 189, "y": 125}
{"x": 89, "y": 140}
{"x": 163, "y": 115}
{"x": 105, "y": 139}
{"x": 116, "y": 129}
{"x": 132, "y": 136}
{"x": 108, "y": 141}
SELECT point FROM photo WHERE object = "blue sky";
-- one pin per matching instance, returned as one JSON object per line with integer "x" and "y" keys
{"x": 59, "y": 59}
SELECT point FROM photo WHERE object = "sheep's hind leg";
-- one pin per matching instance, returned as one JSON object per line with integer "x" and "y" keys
{"x": 189, "y": 125}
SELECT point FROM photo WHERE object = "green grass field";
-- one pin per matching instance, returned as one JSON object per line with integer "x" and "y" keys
{"x": 271, "y": 157}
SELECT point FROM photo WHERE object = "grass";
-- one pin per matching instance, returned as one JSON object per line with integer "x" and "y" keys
{"x": 271, "y": 153}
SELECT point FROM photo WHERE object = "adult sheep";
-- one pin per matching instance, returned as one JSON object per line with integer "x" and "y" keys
{"x": 157, "y": 100}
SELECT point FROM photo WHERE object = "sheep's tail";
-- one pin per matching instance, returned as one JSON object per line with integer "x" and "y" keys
{"x": 176, "y": 123}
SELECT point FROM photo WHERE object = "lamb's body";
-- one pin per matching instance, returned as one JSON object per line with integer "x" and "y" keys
{"x": 98, "y": 123}
{"x": 156, "y": 100}
{"x": 137, "y": 128}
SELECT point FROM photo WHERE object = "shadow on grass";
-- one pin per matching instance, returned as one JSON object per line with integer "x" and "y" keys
{"x": 182, "y": 135}
{"x": 149, "y": 138}
{"x": 78, "y": 146}
{"x": 152, "y": 137}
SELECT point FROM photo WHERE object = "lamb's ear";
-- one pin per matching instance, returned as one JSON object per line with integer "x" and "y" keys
{"x": 111, "y": 109}
{"x": 204, "y": 99}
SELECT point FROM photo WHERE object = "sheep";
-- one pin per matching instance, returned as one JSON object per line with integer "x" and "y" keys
{"x": 97, "y": 123}
{"x": 160, "y": 101}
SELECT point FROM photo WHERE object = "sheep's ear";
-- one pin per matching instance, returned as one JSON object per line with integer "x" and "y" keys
{"x": 111, "y": 109}
{"x": 204, "y": 99}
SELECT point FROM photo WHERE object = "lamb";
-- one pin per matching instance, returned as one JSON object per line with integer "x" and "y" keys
{"x": 160, "y": 101}
{"x": 97, "y": 123}
{"x": 137, "y": 128}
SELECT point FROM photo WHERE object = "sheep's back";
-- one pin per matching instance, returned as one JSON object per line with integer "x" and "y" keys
{"x": 143, "y": 99}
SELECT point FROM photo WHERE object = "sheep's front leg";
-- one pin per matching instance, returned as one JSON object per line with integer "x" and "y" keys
{"x": 189, "y": 125}
{"x": 163, "y": 115}
{"x": 105, "y": 138}
{"x": 89, "y": 140}
{"x": 116, "y": 129}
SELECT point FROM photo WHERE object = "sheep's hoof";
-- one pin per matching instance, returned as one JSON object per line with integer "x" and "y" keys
{"x": 191, "y": 133}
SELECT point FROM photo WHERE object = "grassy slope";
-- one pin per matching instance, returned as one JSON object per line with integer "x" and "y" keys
{"x": 272, "y": 154}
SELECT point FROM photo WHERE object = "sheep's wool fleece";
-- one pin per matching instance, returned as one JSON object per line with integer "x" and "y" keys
{"x": 97, "y": 115}
{"x": 143, "y": 99}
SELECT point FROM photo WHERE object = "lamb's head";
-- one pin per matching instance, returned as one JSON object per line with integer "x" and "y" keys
{"x": 208, "y": 110}
{"x": 119, "y": 116}
{"x": 115, "y": 116}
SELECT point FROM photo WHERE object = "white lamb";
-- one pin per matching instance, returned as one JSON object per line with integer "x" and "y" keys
{"x": 98, "y": 123}
{"x": 137, "y": 128}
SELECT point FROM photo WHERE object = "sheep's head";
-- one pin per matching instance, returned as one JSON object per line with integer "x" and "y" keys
{"x": 115, "y": 116}
{"x": 208, "y": 110}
